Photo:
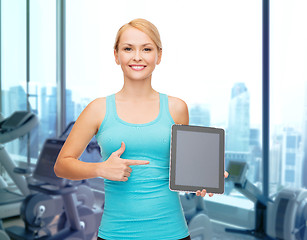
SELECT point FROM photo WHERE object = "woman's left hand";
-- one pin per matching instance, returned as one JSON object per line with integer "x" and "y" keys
{"x": 203, "y": 192}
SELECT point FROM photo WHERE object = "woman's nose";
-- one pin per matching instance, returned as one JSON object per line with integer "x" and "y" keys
{"x": 137, "y": 56}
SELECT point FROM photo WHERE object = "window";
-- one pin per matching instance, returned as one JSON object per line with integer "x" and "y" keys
{"x": 42, "y": 87}
{"x": 292, "y": 141}
{"x": 288, "y": 91}
{"x": 289, "y": 176}
{"x": 40, "y": 92}
{"x": 13, "y": 65}
{"x": 290, "y": 158}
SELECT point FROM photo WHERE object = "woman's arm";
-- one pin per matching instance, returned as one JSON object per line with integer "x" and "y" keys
{"x": 67, "y": 164}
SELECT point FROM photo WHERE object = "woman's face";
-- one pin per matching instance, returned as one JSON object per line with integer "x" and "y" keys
{"x": 137, "y": 54}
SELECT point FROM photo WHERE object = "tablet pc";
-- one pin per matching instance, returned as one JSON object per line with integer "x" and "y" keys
{"x": 197, "y": 159}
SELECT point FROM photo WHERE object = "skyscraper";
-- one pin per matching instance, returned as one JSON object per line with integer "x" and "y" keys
{"x": 275, "y": 166}
{"x": 199, "y": 115}
{"x": 239, "y": 119}
{"x": 304, "y": 168}
{"x": 48, "y": 112}
{"x": 292, "y": 156}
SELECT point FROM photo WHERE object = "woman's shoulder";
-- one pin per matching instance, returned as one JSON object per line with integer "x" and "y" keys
{"x": 178, "y": 110}
{"x": 98, "y": 103}
{"x": 96, "y": 110}
{"x": 176, "y": 101}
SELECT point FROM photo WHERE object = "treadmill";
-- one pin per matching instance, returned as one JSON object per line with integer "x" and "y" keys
{"x": 17, "y": 125}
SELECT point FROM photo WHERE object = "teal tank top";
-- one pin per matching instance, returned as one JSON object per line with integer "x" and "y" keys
{"x": 142, "y": 207}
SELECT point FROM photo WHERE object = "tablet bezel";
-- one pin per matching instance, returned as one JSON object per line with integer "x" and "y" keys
{"x": 176, "y": 187}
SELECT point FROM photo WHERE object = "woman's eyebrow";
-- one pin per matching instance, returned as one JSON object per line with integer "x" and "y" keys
{"x": 129, "y": 44}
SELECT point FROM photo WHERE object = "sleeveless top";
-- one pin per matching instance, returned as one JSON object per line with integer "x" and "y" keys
{"x": 143, "y": 207}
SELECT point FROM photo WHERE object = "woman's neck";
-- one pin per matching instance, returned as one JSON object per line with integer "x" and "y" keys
{"x": 137, "y": 90}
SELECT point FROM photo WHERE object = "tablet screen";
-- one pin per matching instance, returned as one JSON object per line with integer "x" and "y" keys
{"x": 197, "y": 159}
{"x": 192, "y": 151}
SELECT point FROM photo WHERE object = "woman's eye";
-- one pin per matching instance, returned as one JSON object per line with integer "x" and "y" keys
{"x": 147, "y": 49}
{"x": 127, "y": 49}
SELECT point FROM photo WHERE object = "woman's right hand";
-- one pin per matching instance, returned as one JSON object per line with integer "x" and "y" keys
{"x": 116, "y": 168}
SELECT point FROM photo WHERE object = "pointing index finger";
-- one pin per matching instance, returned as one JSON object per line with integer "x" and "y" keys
{"x": 136, "y": 162}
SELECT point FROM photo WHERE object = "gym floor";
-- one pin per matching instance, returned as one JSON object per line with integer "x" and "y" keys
{"x": 220, "y": 234}
{"x": 218, "y": 230}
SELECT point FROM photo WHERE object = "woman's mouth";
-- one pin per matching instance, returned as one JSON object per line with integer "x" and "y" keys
{"x": 137, "y": 67}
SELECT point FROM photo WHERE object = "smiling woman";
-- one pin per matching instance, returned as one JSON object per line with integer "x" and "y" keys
{"x": 133, "y": 128}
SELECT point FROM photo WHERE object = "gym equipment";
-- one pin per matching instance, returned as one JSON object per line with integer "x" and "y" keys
{"x": 237, "y": 174}
{"x": 199, "y": 224}
{"x": 70, "y": 204}
{"x": 17, "y": 125}
{"x": 285, "y": 218}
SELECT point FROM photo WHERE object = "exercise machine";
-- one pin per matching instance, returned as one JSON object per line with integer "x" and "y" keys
{"x": 198, "y": 222}
{"x": 17, "y": 125}
{"x": 283, "y": 218}
{"x": 287, "y": 216}
{"x": 69, "y": 205}
{"x": 39, "y": 210}
{"x": 237, "y": 174}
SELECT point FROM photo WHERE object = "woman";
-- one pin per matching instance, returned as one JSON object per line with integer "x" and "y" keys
{"x": 133, "y": 129}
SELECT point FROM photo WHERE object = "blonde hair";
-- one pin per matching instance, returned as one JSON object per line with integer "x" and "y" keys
{"x": 144, "y": 26}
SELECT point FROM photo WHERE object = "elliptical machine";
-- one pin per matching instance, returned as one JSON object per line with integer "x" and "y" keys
{"x": 70, "y": 204}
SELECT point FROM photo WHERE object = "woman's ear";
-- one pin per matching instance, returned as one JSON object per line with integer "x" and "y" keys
{"x": 159, "y": 56}
{"x": 116, "y": 56}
